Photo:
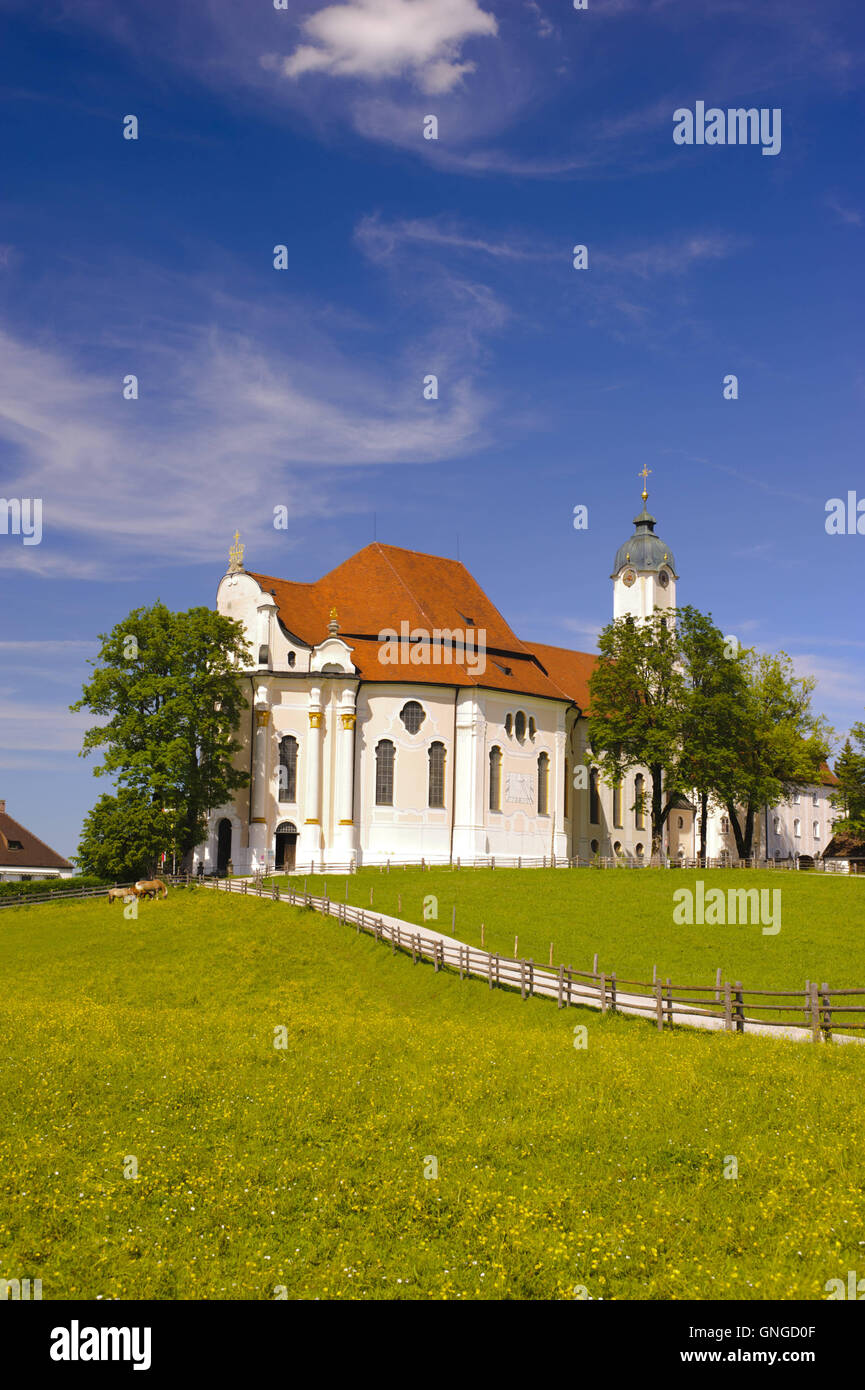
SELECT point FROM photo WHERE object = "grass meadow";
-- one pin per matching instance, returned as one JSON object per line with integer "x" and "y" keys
{"x": 626, "y": 916}
{"x": 304, "y": 1171}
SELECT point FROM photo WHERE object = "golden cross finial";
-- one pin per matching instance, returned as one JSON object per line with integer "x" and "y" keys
{"x": 333, "y": 615}
{"x": 235, "y": 555}
{"x": 644, "y": 473}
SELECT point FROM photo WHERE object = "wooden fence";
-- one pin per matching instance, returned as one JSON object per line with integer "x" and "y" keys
{"x": 725, "y": 1003}
{"x": 554, "y": 861}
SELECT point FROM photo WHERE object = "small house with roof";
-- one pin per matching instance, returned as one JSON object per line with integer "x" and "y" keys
{"x": 24, "y": 856}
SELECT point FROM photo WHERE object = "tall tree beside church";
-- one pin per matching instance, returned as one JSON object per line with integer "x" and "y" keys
{"x": 715, "y": 683}
{"x": 849, "y": 796}
{"x": 638, "y": 694}
{"x": 166, "y": 687}
{"x": 779, "y": 743}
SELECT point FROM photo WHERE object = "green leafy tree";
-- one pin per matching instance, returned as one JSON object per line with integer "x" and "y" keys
{"x": 778, "y": 742}
{"x": 166, "y": 687}
{"x": 849, "y": 797}
{"x": 123, "y": 836}
{"x": 715, "y": 690}
{"x": 637, "y": 693}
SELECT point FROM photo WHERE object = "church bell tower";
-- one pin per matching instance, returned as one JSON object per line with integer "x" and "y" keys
{"x": 644, "y": 571}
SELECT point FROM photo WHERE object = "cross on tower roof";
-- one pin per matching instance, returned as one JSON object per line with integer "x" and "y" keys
{"x": 644, "y": 473}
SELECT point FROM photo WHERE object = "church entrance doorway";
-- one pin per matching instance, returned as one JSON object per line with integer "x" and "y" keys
{"x": 286, "y": 847}
{"x": 223, "y": 847}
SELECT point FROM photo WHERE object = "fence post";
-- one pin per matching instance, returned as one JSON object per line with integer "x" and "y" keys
{"x": 436, "y": 945}
{"x": 595, "y": 964}
{"x": 659, "y": 1005}
{"x": 523, "y": 978}
{"x": 561, "y": 983}
{"x": 740, "y": 1008}
{"x": 603, "y": 994}
{"x": 718, "y": 985}
{"x": 531, "y": 975}
{"x": 815, "y": 1014}
{"x": 490, "y": 970}
{"x": 460, "y": 957}
{"x": 669, "y": 1001}
{"x": 498, "y": 960}
{"x": 613, "y": 991}
{"x": 827, "y": 1012}
{"x": 728, "y": 1007}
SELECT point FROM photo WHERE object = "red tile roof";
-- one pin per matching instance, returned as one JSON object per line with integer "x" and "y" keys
{"x": 383, "y": 586}
{"x": 570, "y": 670}
{"x": 33, "y": 854}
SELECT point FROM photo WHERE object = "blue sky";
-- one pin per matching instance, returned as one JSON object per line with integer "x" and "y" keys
{"x": 303, "y": 387}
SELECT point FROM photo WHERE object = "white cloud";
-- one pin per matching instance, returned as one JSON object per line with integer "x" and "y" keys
{"x": 229, "y": 423}
{"x": 378, "y": 39}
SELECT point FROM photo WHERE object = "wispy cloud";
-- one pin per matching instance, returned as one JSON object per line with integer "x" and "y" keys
{"x": 301, "y": 405}
{"x": 850, "y": 216}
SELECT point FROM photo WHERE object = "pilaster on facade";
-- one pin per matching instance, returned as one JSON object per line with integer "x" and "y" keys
{"x": 261, "y": 735}
{"x": 470, "y": 778}
{"x": 309, "y": 840}
{"x": 345, "y": 833}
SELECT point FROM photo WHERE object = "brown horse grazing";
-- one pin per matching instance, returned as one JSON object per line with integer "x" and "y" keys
{"x": 121, "y": 894}
{"x": 149, "y": 888}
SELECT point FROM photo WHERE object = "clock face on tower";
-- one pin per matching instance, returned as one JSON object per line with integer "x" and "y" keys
{"x": 629, "y": 578}
{"x": 663, "y": 579}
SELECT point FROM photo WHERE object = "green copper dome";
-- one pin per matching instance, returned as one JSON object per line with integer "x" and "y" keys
{"x": 645, "y": 550}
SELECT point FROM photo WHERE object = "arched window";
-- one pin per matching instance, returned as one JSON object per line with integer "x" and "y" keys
{"x": 681, "y": 823}
{"x": 816, "y": 830}
{"x": 594, "y": 798}
{"x": 639, "y": 804}
{"x": 288, "y": 768}
{"x": 543, "y": 783}
{"x": 617, "y": 847}
{"x": 437, "y": 774}
{"x": 412, "y": 716}
{"x": 594, "y": 847}
{"x": 797, "y": 828}
{"x": 509, "y": 724}
{"x": 520, "y": 725}
{"x": 384, "y": 773}
{"x": 617, "y": 805}
{"x": 639, "y": 851}
{"x": 532, "y": 727}
{"x": 495, "y": 779}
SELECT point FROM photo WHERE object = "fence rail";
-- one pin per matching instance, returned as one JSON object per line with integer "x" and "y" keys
{"x": 25, "y": 899}
{"x": 665, "y": 1002}
{"x": 559, "y": 861}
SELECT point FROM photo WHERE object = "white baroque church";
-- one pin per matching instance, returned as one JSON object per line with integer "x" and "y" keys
{"x": 395, "y": 716}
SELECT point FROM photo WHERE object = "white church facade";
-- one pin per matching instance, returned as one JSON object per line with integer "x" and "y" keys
{"x": 395, "y": 716}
